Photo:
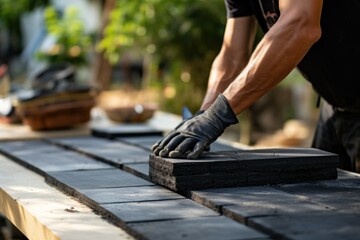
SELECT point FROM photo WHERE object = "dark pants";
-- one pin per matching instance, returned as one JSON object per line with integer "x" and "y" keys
{"x": 339, "y": 132}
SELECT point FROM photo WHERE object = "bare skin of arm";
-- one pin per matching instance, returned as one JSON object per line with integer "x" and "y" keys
{"x": 281, "y": 49}
{"x": 233, "y": 57}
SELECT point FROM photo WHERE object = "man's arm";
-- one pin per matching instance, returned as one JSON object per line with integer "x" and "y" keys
{"x": 233, "y": 57}
{"x": 281, "y": 49}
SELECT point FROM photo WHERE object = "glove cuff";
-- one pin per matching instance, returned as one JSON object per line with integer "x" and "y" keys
{"x": 199, "y": 113}
{"x": 222, "y": 109}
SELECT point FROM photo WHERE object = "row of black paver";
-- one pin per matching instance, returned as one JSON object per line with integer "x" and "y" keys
{"x": 284, "y": 211}
{"x": 226, "y": 166}
{"x": 315, "y": 210}
{"x": 141, "y": 208}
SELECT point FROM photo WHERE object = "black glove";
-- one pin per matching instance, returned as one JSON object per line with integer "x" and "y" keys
{"x": 191, "y": 138}
{"x": 159, "y": 145}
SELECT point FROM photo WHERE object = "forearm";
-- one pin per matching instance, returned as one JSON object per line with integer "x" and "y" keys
{"x": 281, "y": 49}
{"x": 233, "y": 57}
{"x": 223, "y": 71}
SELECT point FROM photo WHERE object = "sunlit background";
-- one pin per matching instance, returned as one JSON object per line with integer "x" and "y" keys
{"x": 154, "y": 51}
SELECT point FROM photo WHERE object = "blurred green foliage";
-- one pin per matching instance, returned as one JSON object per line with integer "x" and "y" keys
{"x": 184, "y": 35}
{"x": 71, "y": 42}
{"x": 10, "y": 13}
{"x": 11, "y": 10}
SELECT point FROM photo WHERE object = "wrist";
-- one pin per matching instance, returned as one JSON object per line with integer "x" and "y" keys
{"x": 222, "y": 110}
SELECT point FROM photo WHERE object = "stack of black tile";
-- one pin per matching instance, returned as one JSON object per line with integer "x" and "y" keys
{"x": 244, "y": 168}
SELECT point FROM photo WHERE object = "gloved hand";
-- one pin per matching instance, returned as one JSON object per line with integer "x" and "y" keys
{"x": 159, "y": 145}
{"x": 191, "y": 138}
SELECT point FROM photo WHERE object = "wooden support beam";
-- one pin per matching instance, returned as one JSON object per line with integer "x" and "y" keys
{"x": 42, "y": 212}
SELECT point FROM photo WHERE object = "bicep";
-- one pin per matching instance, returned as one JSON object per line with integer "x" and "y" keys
{"x": 308, "y": 11}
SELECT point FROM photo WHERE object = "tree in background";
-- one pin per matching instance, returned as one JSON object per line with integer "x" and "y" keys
{"x": 179, "y": 38}
{"x": 70, "y": 42}
{"x": 10, "y": 13}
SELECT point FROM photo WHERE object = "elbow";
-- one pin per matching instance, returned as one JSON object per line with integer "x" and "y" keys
{"x": 300, "y": 27}
{"x": 308, "y": 29}
{"x": 311, "y": 34}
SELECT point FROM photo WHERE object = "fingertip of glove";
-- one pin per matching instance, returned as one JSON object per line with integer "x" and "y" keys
{"x": 164, "y": 152}
{"x": 193, "y": 156}
{"x": 156, "y": 151}
{"x": 174, "y": 154}
{"x": 153, "y": 147}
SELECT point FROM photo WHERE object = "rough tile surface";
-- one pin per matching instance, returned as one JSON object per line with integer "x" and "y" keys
{"x": 316, "y": 210}
{"x": 145, "y": 142}
{"x": 93, "y": 179}
{"x": 244, "y": 168}
{"x": 129, "y": 194}
{"x": 207, "y": 228}
{"x": 125, "y": 130}
{"x": 61, "y": 161}
{"x": 138, "y": 169}
{"x": 329, "y": 225}
{"x": 113, "y": 152}
{"x": 158, "y": 210}
{"x": 20, "y": 148}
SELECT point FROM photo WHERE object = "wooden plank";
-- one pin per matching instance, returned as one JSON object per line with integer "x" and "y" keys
{"x": 42, "y": 212}
{"x": 207, "y": 228}
{"x": 157, "y": 210}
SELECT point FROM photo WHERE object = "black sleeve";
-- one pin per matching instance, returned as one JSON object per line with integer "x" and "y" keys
{"x": 238, "y": 8}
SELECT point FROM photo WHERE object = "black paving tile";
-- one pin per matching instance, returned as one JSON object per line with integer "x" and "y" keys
{"x": 61, "y": 161}
{"x": 125, "y": 130}
{"x": 329, "y": 225}
{"x": 158, "y": 210}
{"x": 114, "y": 152}
{"x": 207, "y": 228}
{"x": 129, "y": 194}
{"x": 20, "y": 148}
{"x": 143, "y": 141}
{"x": 138, "y": 169}
{"x": 94, "y": 179}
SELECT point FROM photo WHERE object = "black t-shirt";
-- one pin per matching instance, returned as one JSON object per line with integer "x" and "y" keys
{"x": 332, "y": 64}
